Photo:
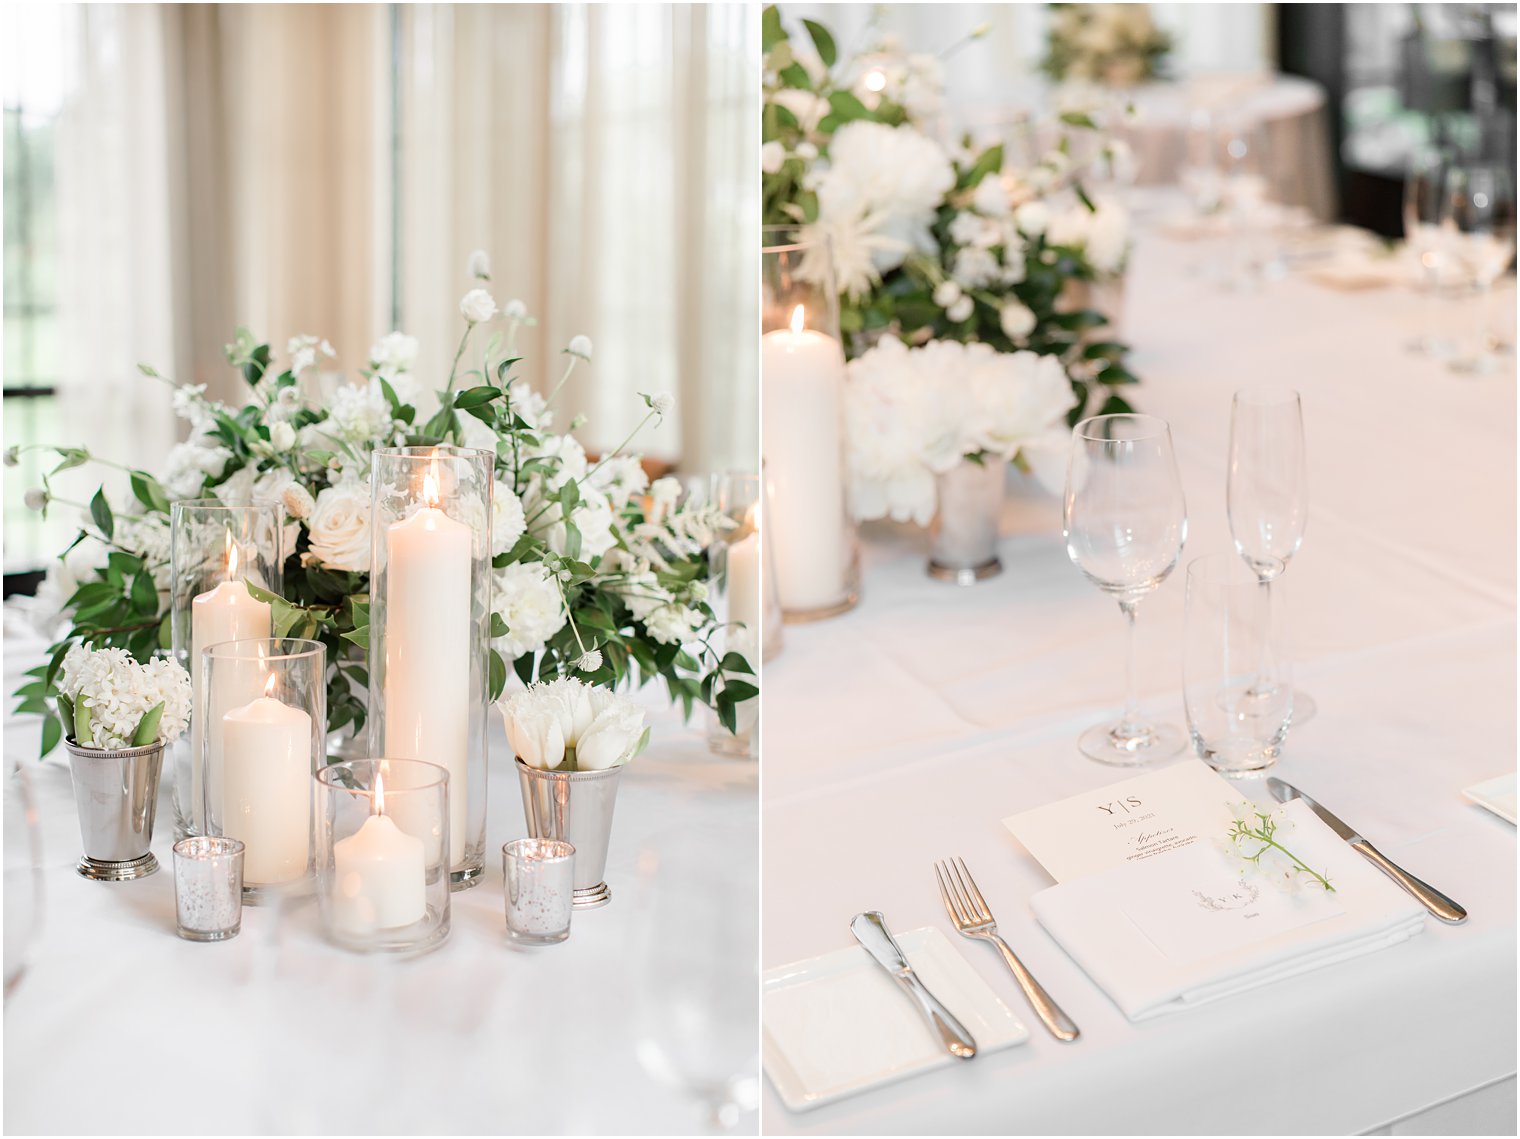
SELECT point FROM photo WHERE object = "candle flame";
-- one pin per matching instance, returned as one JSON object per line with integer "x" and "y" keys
{"x": 876, "y": 80}
{"x": 430, "y": 484}
{"x": 799, "y": 320}
{"x": 272, "y": 685}
{"x": 232, "y": 557}
{"x": 379, "y": 799}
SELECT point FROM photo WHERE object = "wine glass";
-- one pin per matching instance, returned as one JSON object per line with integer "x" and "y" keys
{"x": 1267, "y": 499}
{"x": 698, "y": 967}
{"x": 23, "y": 875}
{"x": 1125, "y": 522}
{"x": 1478, "y": 224}
{"x": 1423, "y": 200}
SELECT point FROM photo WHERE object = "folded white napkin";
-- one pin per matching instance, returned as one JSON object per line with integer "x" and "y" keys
{"x": 838, "y": 1024}
{"x": 1122, "y": 925}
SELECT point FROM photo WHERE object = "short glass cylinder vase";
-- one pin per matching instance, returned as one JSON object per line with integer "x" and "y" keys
{"x": 382, "y": 846}
{"x": 216, "y": 553}
{"x": 208, "y": 888}
{"x": 265, "y": 736}
{"x": 802, "y": 374}
{"x": 430, "y": 620}
{"x": 1237, "y": 681}
{"x": 963, "y": 538}
{"x": 538, "y": 881}
{"x": 737, "y": 557}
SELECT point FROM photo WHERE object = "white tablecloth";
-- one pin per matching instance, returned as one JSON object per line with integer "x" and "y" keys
{"x": 120, "y": 1027}
{"x": 903, "y": 731}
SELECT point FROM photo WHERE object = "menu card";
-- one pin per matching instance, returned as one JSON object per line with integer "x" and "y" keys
{"x": 1131, "y": 821}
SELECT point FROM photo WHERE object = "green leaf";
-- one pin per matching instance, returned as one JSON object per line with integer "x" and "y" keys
{"x": 100, "y": 511}
{"x": 823, "y": 41}
{"x": 1078, "y": 119}
{"x": 498, "y": 675}
{"x": 358, "y": 637}
{"x": 84, "y": 734}
{"x": 476, "y": 397}
{"x": 847, "y": 107}
{"x": 147, "y": 727}
{"x": 771, "y": 31}
{"x": 990, "y": 161}
{"x": 145, "y": 595}
{"x": 65, "y": 708}
{"x": 740, "y": 691}
{"x": 52, "y": 732}
{"x": 736, "y": 662}
{"x": 70, "y": 457}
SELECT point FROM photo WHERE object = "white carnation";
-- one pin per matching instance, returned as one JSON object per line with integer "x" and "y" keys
{"x": 527, "y": 597}
{"x": 507, "y": 519}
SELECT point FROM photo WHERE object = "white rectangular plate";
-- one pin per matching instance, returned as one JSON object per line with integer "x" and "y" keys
{"x": 1497, "y": 794}
{"x": 838, "y": 1024}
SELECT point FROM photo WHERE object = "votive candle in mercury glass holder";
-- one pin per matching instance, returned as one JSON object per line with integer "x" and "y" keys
{"x": 737, "y": 558}
{"x": 382, "y": 854}
{"x": 430, "y": 621}
{"x": 216, "y": 553}
{"x": 208, "y": 887}
{"x": 264, "y": 736}
{"x": 802, "y": 378}
{"x": 539, "y": 883}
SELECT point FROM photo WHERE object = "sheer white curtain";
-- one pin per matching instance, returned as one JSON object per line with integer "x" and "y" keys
{"x": 607, "y": 157}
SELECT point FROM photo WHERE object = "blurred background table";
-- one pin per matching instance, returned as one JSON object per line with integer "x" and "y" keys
{"x": 904, "y": 731}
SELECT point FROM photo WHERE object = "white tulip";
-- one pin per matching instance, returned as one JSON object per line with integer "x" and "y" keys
{"x": 534, "y": 731}
{"x": 610, "y": 738}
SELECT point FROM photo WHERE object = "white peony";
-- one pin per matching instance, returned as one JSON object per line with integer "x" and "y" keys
{"x": 1017, "y": 396}
{"x": 339, "y": 527}
{"x": 189, "y": 464}
{"x": 477, "y": 306}
{"x": 527, "y": 597}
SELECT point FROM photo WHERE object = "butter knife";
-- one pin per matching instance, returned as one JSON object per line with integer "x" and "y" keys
{"x": 870, "y": 929}
{"x": 1428, "y": 896}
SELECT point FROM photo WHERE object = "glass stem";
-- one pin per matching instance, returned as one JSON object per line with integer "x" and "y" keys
{"x": 1263, "y": 682}
{"x": 1130, "y": 724}
{"x": 1485, "y": 342}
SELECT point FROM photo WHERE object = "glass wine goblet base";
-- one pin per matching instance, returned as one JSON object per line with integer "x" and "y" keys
{"x": 1304, "y": 707}
{"x": 1131, "y": 744}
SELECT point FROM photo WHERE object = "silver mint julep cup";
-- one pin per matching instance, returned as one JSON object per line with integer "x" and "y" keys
{"x": 575, "y": 807}
{"x": 116, "y": 792}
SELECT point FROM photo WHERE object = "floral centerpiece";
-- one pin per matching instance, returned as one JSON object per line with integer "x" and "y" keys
{"x": 565, "y": 725}
{"x": 937, "y": 244}
{"x": 596, "y": 572}
{"x": 1116, "y": 45}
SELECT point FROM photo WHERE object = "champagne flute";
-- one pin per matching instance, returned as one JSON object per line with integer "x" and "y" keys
{"x": 1478, "y": 222}
{"x": 1267, "y": 499}
{"x": 1125, "y": 522}
{"x": 1423, "y": 199}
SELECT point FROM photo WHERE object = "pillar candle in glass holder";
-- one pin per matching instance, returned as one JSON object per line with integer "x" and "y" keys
{"x": 266, "y": 787}
{"x": 803, "y": 374}
{"x": 427, "y": 648}
{"x": 380, "y": 874}
{"x": 744, "y": 577}
{"x": 227, "y": 613}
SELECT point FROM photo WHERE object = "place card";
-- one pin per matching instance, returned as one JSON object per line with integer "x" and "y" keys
{"x": 1130, "y": 821}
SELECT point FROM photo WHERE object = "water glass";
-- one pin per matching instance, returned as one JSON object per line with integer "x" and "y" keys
{"x": 1237, "y": 683}
{"x": 1478, "y": 226}
{"x": 539, "y": 882}
{"x": 23, "y": 875}
{"x": 208, "y": 887}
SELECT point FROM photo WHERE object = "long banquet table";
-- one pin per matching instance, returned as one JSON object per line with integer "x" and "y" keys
{"x": 905, "y": 730}
{"x": 119, "y": 1027}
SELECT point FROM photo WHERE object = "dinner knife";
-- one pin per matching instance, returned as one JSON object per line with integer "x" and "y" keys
{"x": 870, "y": 929}
{"x": 1428, "y": 896}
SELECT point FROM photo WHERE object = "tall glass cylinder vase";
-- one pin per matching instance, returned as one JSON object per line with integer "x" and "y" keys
{"x": 802, "y": 373}
{"x": 265, "y": 734}
{"x": 430, "y": 606}
{"x": 737, "y": 561}
{"x": 217, "y": 553}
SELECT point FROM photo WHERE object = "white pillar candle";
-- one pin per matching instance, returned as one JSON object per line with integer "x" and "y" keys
{"x": 227, "y": 613}
{"x": 803, "y": 376}
{"x": 427, "y": 651}
{"x": 380, "y": 878}
{"x": 266, "y": 788}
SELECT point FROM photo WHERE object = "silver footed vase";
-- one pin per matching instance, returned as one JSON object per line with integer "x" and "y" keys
{"x": 964, "y": 534}
{"x": 574, "y": 807}
{"x": 116, "y": 792}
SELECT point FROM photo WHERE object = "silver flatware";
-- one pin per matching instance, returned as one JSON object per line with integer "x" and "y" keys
{"x": 971, "y": 917}
{"x": 1428, "y": 896}
{"x": 870, "y": 929}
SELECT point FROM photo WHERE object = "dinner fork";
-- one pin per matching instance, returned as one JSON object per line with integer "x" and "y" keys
{"x": 968, "y": 910}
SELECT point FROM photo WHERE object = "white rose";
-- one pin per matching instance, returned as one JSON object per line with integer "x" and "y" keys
{"x": 1018, "y": 320}
{"x": 1032, "y": 218}
{"x": 282, "y": 436}
{"x": 339, "y": 527}
{"x": 533, "y": 729}
{"x": 477, "y": 306}
{"x": 611, "y": 738}
{"x": 772, "y": 155}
